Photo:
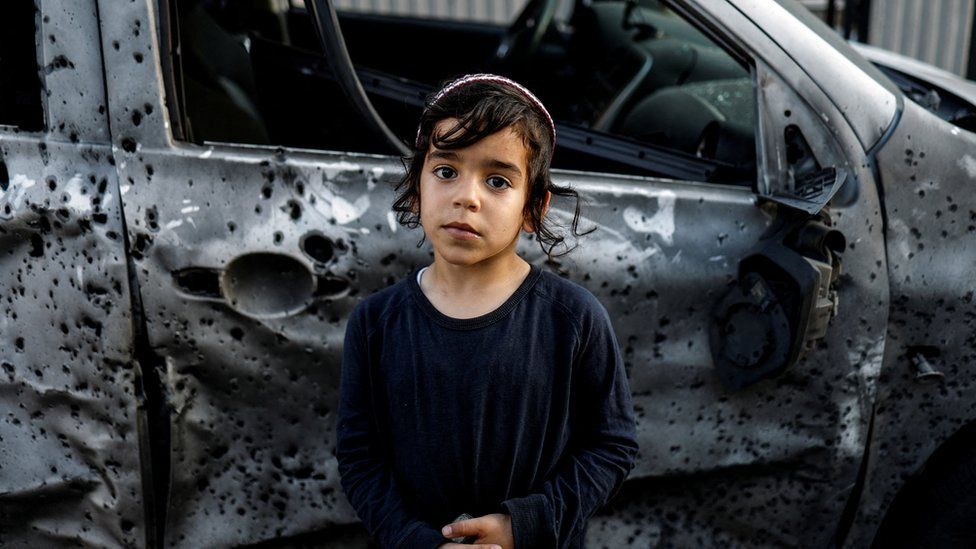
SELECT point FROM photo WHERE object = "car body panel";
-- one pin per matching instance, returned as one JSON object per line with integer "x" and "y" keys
{"x": 71, "y": 471}
{"x": 929, "y": 174}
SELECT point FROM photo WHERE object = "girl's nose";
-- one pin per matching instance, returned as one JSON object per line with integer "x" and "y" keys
{"x": 466, "y": 194}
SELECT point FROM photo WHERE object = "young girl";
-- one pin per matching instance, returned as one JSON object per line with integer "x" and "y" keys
{"x": 481, "y": 384}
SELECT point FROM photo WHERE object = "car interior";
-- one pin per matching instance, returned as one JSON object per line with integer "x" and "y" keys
{"x": 633, "y": 86}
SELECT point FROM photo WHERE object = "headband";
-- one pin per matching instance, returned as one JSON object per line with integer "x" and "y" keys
{"x": 476, "y": 78}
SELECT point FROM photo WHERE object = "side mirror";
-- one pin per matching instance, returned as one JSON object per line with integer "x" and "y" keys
{"x": 780, "y": 304}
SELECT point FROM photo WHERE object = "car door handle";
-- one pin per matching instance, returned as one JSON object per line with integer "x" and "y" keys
{"x": 261, "y": 285}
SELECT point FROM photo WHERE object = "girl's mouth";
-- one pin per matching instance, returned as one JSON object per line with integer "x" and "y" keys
{"x": 461, "y": 230}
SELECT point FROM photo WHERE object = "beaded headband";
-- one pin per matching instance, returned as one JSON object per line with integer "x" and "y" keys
{"x": 484, "y": 77}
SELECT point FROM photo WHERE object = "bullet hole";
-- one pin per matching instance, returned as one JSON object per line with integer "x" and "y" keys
{"x": 266, "y": 191}
{"x": 73, "y": 137}
{"x": 317, "y": 247}
{"x": 141, "y": 245}
{"x": 294, "y": 210}
{"x": 198, "y": 281}
{"x": 52, "y": 183}
{"x": 137, "y": 56}
{"x": 91, "y": 289}
{"x": 231, "y": 226}
{"x": 58, "y": 63}
{"x": 37, "y": 245}
{"x": 321, "y": 410}
{"x": 19, "y": 344}
{"x": 218, "y": 451}
{"x": 92, "y": 324}
{"x": 278, "y": 237}
{"x": 149, "y": 170}
{"x": 126, "y": 525}
{"x": 787, "y": 113}
{"x": 152, "y": 219}
{"x": 100, "y": 218}
{"x": 257, "y": 209}
{"x": 331, "y": 286}
{"x": 129, "y": 145}
{"x": 148, "y": 108}
{"x": 136, "y": 118}
{"x": 64, "y": 328}
{"x": 52, "y": 38}
{"x": 237, "y": 333}
{"x": 115, "y": 45}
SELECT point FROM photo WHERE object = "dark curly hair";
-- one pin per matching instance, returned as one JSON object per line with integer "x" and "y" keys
{"x": 483, "y": 108}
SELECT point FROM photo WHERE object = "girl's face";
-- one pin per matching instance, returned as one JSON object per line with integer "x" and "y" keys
{"x": 472, "y": 200}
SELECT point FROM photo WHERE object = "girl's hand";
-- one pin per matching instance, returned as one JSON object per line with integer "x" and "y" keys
{"x": 494, "y": 530}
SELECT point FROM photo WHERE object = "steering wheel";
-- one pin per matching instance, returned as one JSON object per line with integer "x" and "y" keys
{"x": 522, "y": 39}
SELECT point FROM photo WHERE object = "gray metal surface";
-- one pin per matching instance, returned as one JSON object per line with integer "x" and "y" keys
{"x": 928, "y": 170}
{"x": 70, "y": 471}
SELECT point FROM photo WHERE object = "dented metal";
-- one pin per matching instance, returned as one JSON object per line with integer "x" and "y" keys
{"x": 70, "y": 470}
{"x": 196, "y": 406}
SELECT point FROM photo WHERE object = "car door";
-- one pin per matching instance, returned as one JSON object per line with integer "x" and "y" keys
{"x": 762, "y": 460}
{"x": 70, "y": 391}
{"x": 249, "y": 259}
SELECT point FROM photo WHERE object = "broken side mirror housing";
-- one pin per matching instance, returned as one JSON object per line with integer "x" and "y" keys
{"x": 780, "y": 304}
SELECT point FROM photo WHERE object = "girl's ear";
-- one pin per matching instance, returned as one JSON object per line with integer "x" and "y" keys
{"x": 527, "y": 224}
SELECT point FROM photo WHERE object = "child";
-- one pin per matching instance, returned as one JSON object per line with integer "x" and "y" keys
{"x": 482, "y": 384}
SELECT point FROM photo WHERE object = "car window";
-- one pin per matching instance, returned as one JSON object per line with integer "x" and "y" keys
{"x": 654, "y": 77}
{"x": 634, "y": 88}
{"x": 20, "y": 86}
{"x": 252, "y": 72}
{"x": 627, "y": 82}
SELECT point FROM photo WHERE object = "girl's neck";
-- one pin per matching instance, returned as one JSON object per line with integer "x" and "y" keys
{"x": 468, "y": 291}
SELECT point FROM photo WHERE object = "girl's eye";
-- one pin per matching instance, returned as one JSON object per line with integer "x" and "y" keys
{"x": 496, "y": 182}
{"x": 444, "y": 172}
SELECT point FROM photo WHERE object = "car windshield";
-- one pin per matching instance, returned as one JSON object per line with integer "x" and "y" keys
{"x": 837, "y": 41}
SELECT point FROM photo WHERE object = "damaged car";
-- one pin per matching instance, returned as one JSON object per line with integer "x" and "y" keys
{"x": 194, "y": 194}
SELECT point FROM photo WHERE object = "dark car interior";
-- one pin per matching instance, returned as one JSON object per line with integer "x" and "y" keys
{"x": 633, "y": 86}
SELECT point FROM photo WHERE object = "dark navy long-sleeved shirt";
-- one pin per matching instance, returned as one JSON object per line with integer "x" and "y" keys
{"x": 525, "y": 410}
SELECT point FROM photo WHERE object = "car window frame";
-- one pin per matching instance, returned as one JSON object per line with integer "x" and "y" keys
{"x": 723, "y": 38}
